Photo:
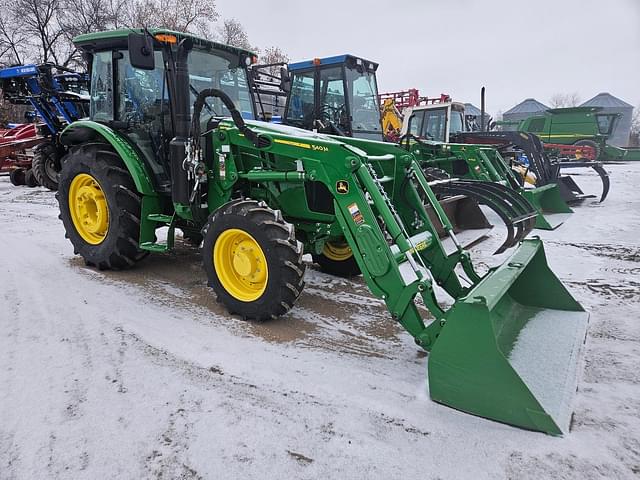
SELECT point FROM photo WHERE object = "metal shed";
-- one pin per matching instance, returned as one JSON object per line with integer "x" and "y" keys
{"x": 524, "y": 109}
{"x": 611, "y": 104}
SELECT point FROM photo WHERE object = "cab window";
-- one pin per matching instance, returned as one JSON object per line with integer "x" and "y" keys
{"x": 434, "y": 125}
{"x": 301, "y": 100}
{"x": 102, "y": 87}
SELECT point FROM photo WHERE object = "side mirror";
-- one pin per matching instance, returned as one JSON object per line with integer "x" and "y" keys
{"x": 285, "y": 80}
{"x": 141, "y": 51}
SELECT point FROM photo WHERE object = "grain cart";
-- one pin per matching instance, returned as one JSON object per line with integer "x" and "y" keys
{"x": 262, "y": 195}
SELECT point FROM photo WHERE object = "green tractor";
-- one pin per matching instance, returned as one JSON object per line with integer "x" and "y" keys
{"x": 582, "y": 127}
{"x": 427, "y": 131}
{"x": 338, "y": 95}
{"x": 167, "y": 146}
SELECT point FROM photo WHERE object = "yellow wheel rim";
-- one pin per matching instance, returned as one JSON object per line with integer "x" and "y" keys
{"x": 338, "y": 252}
{"x": 88, "y": 208}
{"x": 240, "y": 264}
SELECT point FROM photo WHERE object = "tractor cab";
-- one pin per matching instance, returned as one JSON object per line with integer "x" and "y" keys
{"x": 336, "y": 95}
{"x": 138, "y": 89}
{"x": 607, "y": 123}
{"x": 436, "y": 120}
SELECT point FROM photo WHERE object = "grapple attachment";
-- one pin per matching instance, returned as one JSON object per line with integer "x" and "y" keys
{"x": 552, "y": 209}
{"x": 466, "y": 217}
{"x": 571, "y": 192}
{"x": 510, "y": 349}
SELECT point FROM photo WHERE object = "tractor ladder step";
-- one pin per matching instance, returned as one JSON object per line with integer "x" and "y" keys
{"x": 168, "y": 221}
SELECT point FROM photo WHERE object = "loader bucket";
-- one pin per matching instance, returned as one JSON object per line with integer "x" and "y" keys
{"x": 510, "y": 349}
{"x": 552, "y": 209}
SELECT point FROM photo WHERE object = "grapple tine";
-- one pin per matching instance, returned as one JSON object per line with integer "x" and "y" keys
{"x": 509, "y": 242}
{"x": 514, "y": 210}
{"x": 604, "y": 176}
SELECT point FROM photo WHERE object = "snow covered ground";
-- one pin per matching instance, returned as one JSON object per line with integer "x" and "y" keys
{"x": 141, "y": 374}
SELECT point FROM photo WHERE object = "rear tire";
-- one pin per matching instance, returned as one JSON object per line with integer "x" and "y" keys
{"x": 265, "y": 279}
{"x": 16, "y": 177}
{"x": 30, "y": 179}
{"x": 337, "y": 259}
{"x": 46, "y": 166}
{"x": 117, "y": 247}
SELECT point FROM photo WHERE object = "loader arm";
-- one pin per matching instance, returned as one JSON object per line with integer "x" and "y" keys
{"x": 375, "y": 191}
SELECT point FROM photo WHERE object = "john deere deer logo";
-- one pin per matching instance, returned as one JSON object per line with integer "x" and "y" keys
{"x": 342, "y": 186}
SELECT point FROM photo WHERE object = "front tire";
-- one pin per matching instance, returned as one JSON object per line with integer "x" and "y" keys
{"x": 100, "y": 207}
{"x": 17, "y": 177}
{"x": 46, "y": 166}
{"x": 252, "y": 260}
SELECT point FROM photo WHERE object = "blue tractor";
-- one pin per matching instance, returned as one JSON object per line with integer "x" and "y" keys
{"x": 58, "y": 96}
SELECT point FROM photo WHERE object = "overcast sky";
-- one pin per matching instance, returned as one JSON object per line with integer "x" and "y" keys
{"x": 516, "y": 49}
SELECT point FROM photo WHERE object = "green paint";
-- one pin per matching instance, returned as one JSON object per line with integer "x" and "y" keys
{"x": 373, "y": 195}
{"x": 130, "y": 157}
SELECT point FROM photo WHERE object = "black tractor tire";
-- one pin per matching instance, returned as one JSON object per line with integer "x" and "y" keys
{"x": 277, "y": 242}
{"x": 590, "y": 143}
{"x": 16, "y": 177}
{"x": 30, "y": 179}
{"x": 340, "y": 267}
{"x": 46, "y": 166}
{"x": 119, "y": 248}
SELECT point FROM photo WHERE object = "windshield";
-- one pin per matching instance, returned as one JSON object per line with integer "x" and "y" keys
{"x": 363, "y": 97}
{"x": 207, "y": 70}
{"x": 605, "y": 123}
{"x": 434, "y": 124}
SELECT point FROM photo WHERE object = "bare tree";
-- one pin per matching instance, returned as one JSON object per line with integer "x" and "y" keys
{"x": 231, "y": 32}
{"x": 38, "y": 20}
{"x": 13, "y": 41}
{"x": 562, "y": 100}
{"x": 273, "y": 55}
{"x": 194, "y": 16}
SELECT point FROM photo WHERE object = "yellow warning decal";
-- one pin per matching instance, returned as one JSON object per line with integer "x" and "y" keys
{"x": 292, "y": 143}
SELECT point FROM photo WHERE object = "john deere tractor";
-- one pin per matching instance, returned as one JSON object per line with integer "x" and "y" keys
{"x": 338, "y": 95}
{"x": 167, "y": 146}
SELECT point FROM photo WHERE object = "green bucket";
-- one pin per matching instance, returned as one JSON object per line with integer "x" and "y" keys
{"x": 551, "y": 207}
{"x": 510, "y": 349}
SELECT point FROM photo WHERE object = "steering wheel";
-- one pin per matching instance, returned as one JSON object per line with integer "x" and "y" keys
{"x": 334, "y": 114}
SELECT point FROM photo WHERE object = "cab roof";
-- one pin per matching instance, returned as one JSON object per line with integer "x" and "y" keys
{"x": 574, "y": 110}
{"x": 337, "y": 59}
{"x": 109, "y": 39}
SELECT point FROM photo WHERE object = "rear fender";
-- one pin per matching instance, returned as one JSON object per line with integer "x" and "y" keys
{"x": 84, "y": 131}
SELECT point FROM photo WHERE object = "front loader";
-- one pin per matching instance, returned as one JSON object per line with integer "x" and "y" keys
{"x": 59, "y": 96}
{"x": 262, "y": 195}
{"x": 339, "y": 96}
{"x": 436, "y": 122}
